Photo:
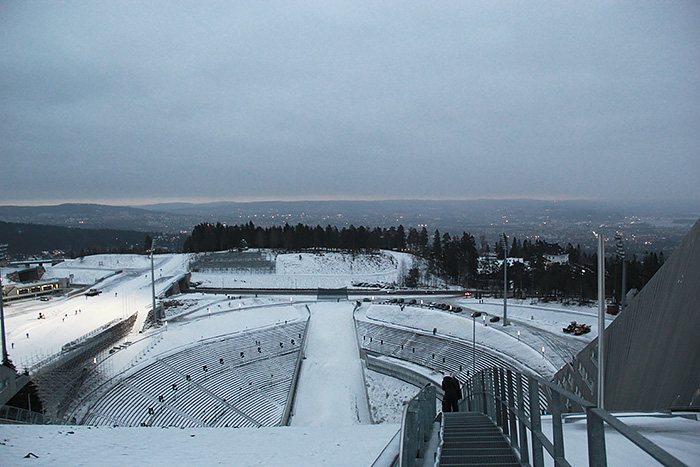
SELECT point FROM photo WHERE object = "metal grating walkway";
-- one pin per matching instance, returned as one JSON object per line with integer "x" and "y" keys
{"x": 472, "y": 439}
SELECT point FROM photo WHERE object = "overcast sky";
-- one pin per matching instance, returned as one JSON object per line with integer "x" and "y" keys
{"x": 134, "y": 102}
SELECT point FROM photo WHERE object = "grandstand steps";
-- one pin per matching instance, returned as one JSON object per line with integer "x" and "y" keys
{"x": 238, "y": 380}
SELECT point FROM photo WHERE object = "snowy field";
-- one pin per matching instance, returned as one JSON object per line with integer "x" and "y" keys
{"x": 312, "y": 270}
{"x": 679, "y": 436}
{"x": 335, "y": 407}
{"x": 67, "y": 318}
{"x": 351, "y": 446}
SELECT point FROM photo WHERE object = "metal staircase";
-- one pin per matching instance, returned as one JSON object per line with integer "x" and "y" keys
{"x": 472, "y": 439}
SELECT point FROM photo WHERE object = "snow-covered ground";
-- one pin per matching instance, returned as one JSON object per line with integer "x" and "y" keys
{"x": 67, "y": 318}
{"x": 331, "y": 391}
{"x": 679, "y": 436}
{"x": 540, "y": 325}
{"x": 311, "y": 270}
{"x": 91, "y": 269}
{"x": 387, "y": 396}
{"x": 329, "y": 436}
{"x": 350, "y": 445}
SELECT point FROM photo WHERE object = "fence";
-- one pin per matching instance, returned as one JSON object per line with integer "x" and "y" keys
{"x": 507, "y": 397}
{"x": 23, "y": 416}
{"x": 416, "y": 426}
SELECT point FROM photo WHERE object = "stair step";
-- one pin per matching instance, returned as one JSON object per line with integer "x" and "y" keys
{"x": 455, "y": 451}
{"x": 500, "y": 444}
{"x": 477, "y": 460}
{"x": 468, "y": 464}
{"x": 472, "y": 439}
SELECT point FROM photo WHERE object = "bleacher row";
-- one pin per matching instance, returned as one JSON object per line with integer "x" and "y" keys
{"x": 241, "y": 380}
{"x": 233, "y": 261}
{"x": 436, "y": 352}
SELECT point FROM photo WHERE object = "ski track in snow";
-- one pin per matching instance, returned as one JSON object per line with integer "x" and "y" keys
{"x": 331, "y": 385}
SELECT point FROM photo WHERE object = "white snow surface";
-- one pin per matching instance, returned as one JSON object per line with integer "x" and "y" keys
{"x": 91, "y": 269}
{"x": 310, "y": 270}
{"x": 331, "y": 388}
{"x": 548, "y": 316}
{"x": 68, "y": 318}
{"x": 342, "y": 439}
{"x": 388, "y": 396}
{"x": 679, "y": 436}
{"x": 351, "y": 445}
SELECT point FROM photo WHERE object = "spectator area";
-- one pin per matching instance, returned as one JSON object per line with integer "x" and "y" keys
{"x": 436, "y": 352}
{"x": 240, "y": 380}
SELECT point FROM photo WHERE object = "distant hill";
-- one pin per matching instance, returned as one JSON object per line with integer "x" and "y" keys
{"x": 653, "y": 226}
{"x": 98, "y": 216}
{"x": 442, "y": 214}
{"x": 32, "y": 239}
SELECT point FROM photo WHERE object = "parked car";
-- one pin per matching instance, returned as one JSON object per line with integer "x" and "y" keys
{"x": 476, "y": 314}
{"x": 93, "y": 292}
{"x": 495, "y": 319}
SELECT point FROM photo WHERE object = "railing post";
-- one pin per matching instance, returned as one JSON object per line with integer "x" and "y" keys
{"x": 597, "y": 456}
{"x": 503, "y": 401}
{"x": 497, "y": 397}
{"x": 492, "y": 392}
{"x": 429, "y": 411}
{"x": 511, "y": 412}
{"x": 524, "y": 455}
{"x": 420, "y": 424}
{"x": 535, "y": 422}
{"x": 557, "y": 431}
{"x": 408, "y": 456}
{"x": 484, "y": 407}
{"x": 469, "y": 392}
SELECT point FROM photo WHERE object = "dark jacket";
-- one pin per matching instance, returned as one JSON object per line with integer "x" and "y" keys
{"x": 452, "y": 388}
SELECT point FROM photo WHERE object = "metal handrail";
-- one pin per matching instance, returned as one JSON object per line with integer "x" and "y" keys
{"x": 507, "y": 396}
{"x": 17, "y": 415}
{"x": 416, "y": 426}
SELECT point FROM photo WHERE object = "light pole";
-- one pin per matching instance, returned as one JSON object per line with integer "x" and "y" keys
{"x": 153, "y": 284}
{"x": 5, "y": 357}
{"x": 505, "y": 280}
{"x": 601, "y": 320}
{"x": 621, "y": 255}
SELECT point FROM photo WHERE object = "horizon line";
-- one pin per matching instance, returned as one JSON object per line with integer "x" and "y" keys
{"x": 136, "y": 203}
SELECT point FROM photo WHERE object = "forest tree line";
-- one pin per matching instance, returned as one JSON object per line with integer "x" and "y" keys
{"x": 453, "y": 258}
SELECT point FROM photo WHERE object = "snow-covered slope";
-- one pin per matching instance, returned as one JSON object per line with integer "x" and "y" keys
{"x": 309, "y": 270}
{"x": 198, "y": 316}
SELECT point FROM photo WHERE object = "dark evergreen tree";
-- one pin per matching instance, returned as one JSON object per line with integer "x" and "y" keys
{"x": 423, "y": 242}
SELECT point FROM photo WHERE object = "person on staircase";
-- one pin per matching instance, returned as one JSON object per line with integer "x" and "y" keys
{"x": 453, "y": 393}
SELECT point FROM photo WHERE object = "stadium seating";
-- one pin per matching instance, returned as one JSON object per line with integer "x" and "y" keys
{"x": 422, "y": 348}
{"x": 238, "y": 380}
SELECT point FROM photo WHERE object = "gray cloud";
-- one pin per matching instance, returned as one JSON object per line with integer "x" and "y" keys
{"x": 311, "y": 100}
